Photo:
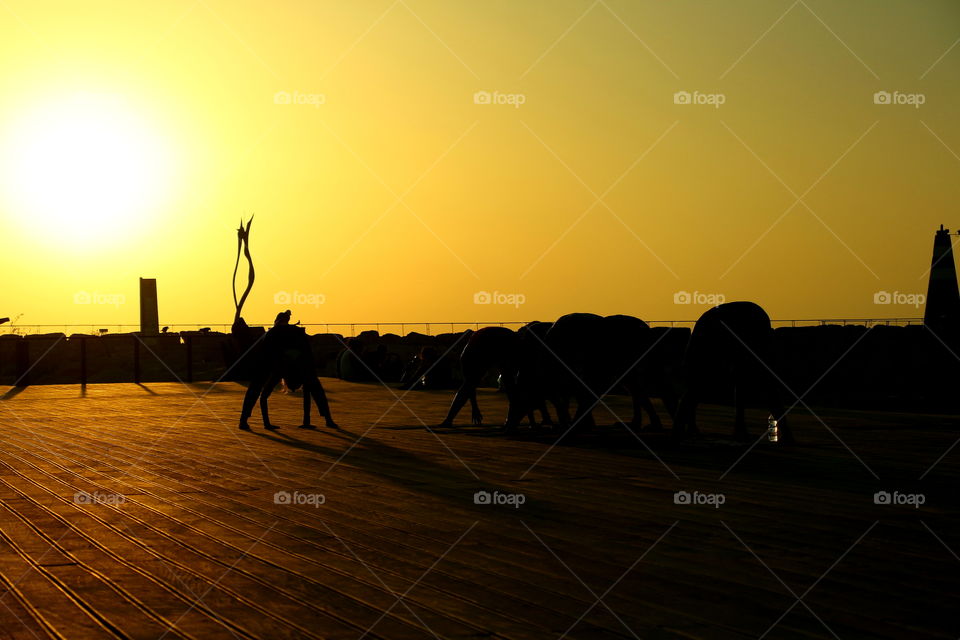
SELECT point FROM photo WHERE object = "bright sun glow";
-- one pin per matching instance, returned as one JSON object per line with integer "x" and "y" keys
{"x": 84, "y": 169}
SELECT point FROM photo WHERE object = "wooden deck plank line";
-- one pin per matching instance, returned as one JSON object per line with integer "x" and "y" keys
{"x": 216, "y": 578}
{"x": 270, "y": 563}
{"x": 199, "y": 514}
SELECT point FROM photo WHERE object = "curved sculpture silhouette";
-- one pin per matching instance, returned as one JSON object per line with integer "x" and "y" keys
{"x": 284, "y": 354}
{"x": 243, "y": 336}
{"x": 731, "y": 343}
{"x": 243, "y": 241}
{"x": 583, "y": 356}
{"x": 488, "y": 349}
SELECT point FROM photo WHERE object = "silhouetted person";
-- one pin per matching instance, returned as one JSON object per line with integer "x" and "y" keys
{"x": 430, "y": 368}
{"x": 582, "y": 357}
{"x": 352, "y": 364}
{"x": 284, "y": 354}
{"x": 731, "y": 344}
{"x": 487, "y": 349}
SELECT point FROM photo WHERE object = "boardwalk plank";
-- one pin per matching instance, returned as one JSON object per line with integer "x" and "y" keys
{"x": 199, "y": 540}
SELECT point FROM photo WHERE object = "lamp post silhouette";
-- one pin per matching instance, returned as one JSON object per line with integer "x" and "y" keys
{"x": 942, "y": 311}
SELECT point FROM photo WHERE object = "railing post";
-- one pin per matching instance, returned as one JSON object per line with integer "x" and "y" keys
{"x": 23, "y": 362}
{"x": 83, "y": 361}
{"x": 136, "y": 359}
{"x": 188, "y": 341}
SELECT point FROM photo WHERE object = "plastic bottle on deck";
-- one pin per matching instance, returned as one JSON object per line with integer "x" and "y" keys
{"x": 771, "y": 428}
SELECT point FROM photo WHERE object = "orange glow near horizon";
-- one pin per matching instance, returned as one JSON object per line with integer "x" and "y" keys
{"x": 401, "y": 159}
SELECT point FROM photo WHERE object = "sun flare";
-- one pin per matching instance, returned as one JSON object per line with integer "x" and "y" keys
{"x": 87, "y": 168}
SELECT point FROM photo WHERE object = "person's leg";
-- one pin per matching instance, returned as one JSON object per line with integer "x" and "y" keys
{"x": 460, "y": 399}
{"x": 475, "y": 416}
{"x": 271, "y": 382}
{"x": 685, "y": 421}
{"x": 312, "y": 387}
{"x": 306, "y": 409}
{"x": 544, "y": 414}
{"x": 646, "y": 405}
{"x": 250, "y": 399}
{"x": 583, "y": 418}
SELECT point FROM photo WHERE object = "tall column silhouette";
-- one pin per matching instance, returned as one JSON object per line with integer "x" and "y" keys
{"x": 943, "y": 296}
{"x": 149, "y": 319}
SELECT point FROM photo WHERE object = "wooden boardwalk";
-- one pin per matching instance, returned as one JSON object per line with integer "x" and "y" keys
{"x": 140, "y": 511}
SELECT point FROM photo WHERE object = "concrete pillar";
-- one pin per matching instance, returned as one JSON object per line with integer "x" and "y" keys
{"x": 149, "y": 316}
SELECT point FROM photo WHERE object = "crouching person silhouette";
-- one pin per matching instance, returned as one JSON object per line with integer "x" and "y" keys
{"x": 284, "y": 354}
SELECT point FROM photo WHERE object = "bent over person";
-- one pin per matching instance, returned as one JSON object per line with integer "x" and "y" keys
{"x": 284, "y": 354}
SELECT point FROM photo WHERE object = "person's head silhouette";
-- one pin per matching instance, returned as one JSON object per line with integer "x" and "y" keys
{"x": 283, "y": 318}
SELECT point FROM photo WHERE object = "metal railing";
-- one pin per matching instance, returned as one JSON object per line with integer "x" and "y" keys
{"x": 344, "y": 328}
{"x": 402, "y": 328}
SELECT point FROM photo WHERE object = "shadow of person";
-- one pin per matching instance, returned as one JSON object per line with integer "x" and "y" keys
{"x": 454, "y": 484}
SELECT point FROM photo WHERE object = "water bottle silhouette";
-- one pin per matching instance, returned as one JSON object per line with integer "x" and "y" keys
{"x": 772, "y": 428}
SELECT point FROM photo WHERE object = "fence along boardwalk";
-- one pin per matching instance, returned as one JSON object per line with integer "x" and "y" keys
{"x": 198, "y": 548}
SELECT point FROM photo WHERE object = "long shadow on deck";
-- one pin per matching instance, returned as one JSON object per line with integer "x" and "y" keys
{"x": 13, "y": 392}
{"x": 814, "y": 463}
{"x": 455, "y": 484}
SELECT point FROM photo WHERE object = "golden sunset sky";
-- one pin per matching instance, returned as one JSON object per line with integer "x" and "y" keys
{"x": 135, "y": 135}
